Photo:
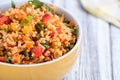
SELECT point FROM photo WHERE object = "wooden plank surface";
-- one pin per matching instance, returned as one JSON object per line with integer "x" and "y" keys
{"x": 115, "y": 40}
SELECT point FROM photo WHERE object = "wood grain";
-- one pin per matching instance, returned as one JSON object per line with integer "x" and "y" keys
{"x": 115, "y": 40}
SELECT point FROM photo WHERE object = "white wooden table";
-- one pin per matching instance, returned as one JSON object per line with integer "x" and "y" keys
{"x": 100, "y": 55}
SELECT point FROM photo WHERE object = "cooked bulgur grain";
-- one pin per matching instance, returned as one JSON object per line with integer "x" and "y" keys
{"x": 34, "y": 33}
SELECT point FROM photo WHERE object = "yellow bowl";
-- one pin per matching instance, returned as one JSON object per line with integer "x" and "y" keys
{"x": 52, "y": 70}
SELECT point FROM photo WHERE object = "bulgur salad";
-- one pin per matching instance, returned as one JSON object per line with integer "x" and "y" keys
{"x": 33, "y": 33}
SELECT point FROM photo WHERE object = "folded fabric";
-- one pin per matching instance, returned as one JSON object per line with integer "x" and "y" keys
{"x": 108, "y": 10}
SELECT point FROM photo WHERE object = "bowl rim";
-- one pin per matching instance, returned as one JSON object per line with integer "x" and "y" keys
{"x": 79, "y": 40}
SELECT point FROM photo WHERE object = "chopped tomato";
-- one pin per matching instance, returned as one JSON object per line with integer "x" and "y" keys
{"x": 51, "y": 34}
{"x": 72, "y": 23}
{"x": 2, "y": 58}
{"x": 62, "y": 40}
{"x": 4, "y": 20}
{"x": 20, "y": 16}
{"x": 37, "y": 50}
{"x": 58, "y": 30}
{"x": 46, "y": 17}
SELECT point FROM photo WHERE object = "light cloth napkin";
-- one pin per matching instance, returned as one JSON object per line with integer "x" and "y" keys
{"x": 108, "y": 10}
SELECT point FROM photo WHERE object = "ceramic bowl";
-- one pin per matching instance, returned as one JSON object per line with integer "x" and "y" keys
{"x": 52, "y": 70}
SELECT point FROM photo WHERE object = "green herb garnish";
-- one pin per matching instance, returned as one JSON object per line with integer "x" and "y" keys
{"x": 74, "y": 30}
{"x": 23, "y": 53}
{"x": 71, "y": 46}
{"x": 49, "y": 9}
{"x": 27, "y": 20}
{"x": 7, "y": 59}
{"x": 37, "y": 3}
{"x": 66, "y": 23}
{"x": 46, "y": 44}
{"x": 39, "y": 27}
{"x": 13, "y": 4}
{"x": 4, "y": 29}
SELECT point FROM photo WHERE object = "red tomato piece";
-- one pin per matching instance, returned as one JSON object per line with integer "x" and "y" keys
{"x": 58, "y": 30}
{"x": 37, "y": 51}
{"x": 46, "y": 17}
{"x": 2, "y": 58}
{"x": 51, "y": 34}
{"x": 4, "y": 20}
{"x": 1, "y": 15}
